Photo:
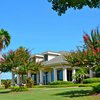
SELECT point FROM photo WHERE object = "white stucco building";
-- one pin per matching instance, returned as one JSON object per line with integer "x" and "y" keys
{"x": 55, "y": 68}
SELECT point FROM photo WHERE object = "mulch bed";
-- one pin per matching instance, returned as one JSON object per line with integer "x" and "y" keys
{"x": 96, "y": 94}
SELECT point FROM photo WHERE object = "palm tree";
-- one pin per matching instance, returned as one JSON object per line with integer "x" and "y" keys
{"x": 9, "y": 64}
{"x": 4, "y": 41}
{"x": 27, "y": 65}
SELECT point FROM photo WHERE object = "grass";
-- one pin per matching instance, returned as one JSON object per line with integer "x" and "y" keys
{"x": 79, "y": 93}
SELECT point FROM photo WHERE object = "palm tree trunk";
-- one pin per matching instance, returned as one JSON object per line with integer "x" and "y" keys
{"x": 13, "y": 82}
{"x": 90, "y": 73}
{"x": 18, "y": 79}
{"x": 29, "y": 74}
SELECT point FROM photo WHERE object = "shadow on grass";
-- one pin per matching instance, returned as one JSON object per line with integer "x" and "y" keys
{"x": 75, "y": 93}
{"x": 5, "y": 91}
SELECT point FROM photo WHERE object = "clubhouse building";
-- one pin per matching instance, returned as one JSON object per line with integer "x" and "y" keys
{"x": 55, "y": 68}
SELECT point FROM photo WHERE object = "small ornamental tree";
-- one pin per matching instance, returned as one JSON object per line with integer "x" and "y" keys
{"x": 4, "y": 42}
{"x": 19, "y": 62}
{"x": 92, "y": 46}
{"x": 89, "y": 55}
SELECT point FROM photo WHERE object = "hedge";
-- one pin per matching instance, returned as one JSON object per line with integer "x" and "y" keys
{"x": 91, "y": 80}
{"x": 61, "y": 83}
{"x": 96, "y": 89}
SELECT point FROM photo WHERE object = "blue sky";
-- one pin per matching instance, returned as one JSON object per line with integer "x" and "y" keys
{"x": 34, "y": 25}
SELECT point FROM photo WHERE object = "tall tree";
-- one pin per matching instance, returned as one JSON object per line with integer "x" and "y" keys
{"x": 89, "y": 55}
{"x": 92, "y": 41}
{"x": 4, "y": 39}
{"x": 4, "y": 42}
{"x": 61, "y": 6}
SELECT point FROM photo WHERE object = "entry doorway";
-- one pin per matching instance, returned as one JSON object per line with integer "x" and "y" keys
{"x": 59, "y": 75}
{"x": 69, "y": 74}
{"x": 45, "y": 78}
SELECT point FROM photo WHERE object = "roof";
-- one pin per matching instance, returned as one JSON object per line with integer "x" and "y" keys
{"x": 57, "y": 60}
{"x": 51, "y": 53}
{"x": 38, "y": 56}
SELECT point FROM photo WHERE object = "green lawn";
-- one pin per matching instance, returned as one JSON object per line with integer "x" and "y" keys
{"x": 50, "y": 94}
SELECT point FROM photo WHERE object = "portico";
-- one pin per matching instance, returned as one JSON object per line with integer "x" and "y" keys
{"x": 56, "y": 74}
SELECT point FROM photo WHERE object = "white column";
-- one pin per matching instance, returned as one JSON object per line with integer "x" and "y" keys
{"x": 13, "y": 82}
{"x": 37, "y": 76}
{"x": 18, "y": 79}
{"x": 55, "y": 74}
{"x": 33, "y": 77}
{"x": 29, "y": 74}
{"x": 0, "y": 78}
{"x": 49, "y": 76}
{"x": 73, "y": 73}
{"x": 91, "y": 73}
{"x": 64, "y": 74}
{"x": 41, "y": 77}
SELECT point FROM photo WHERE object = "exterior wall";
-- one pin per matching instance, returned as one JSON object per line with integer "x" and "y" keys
{"x": 39, "y": 59}
{"x": 51, "y": 57}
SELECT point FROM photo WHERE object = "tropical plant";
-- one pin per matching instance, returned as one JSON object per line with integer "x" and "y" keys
{"x": 4, "y": 39}
{"x": 20, "y": 62}
{"x": 9, "y": 62}
{"x": 7, "y": 84}
{"x": 30, "y": 82}
{"x": 80, "y": 75}
{"x": 4, "y": 42}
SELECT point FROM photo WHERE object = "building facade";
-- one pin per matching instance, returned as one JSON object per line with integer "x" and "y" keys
{"x": 55, "y": 68}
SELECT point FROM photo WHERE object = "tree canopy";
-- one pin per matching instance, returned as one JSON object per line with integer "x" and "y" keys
{"x": 19, "y": 61}
{"x": 61, "y": 6}
{"x": 89, "y": 55}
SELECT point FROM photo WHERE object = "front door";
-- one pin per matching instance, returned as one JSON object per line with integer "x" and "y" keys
{"x": 69, "y": 74}
{"x": 45, "y": 78}
{"x": 59, "y": 75}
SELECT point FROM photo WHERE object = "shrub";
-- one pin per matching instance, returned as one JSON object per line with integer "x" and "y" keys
{"x": 96, "y": 89}
{"x": 19, "y": 88}
{"x": 56, "y": 86}
{"x": 30, "y": 82}
{"x": 3, "y": 80}
{"x": 87, "y": 85}
{"x": 80, "y": 75}
{"x": 97, "y": 72}
{"x": 7, "y": 84}
{"x": 60, "y": 83}
{"x": 91, "y": 80}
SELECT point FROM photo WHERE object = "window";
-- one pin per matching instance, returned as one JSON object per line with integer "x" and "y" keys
{"x": 45, "y": 57}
